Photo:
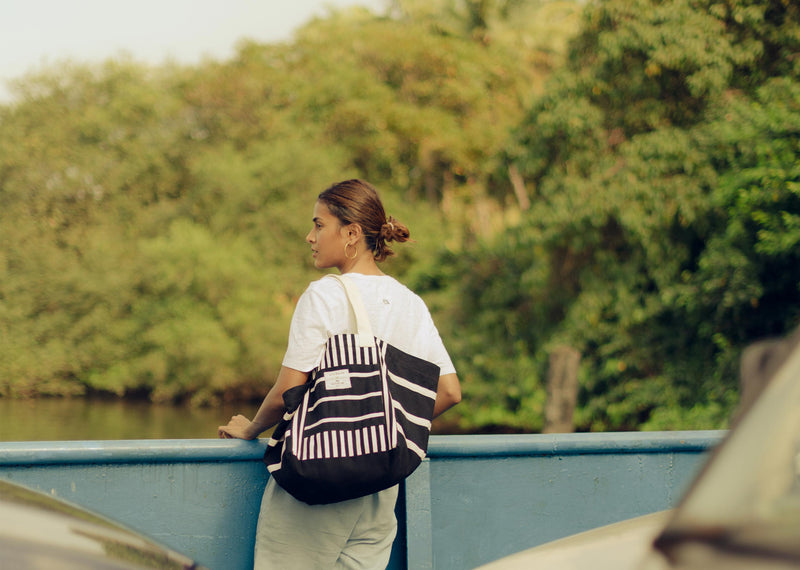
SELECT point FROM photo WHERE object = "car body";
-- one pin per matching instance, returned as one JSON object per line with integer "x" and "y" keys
{"x": 741, "y": 512}
{"x": 38, "y": 531}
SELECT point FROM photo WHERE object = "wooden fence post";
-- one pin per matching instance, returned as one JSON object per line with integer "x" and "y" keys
{"x": 562, "y": 390}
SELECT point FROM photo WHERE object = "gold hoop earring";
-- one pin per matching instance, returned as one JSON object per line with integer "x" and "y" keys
{"x": 355, "y": 254}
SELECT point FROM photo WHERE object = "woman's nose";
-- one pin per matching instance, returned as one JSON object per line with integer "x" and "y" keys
{"x": 310, "y": 237}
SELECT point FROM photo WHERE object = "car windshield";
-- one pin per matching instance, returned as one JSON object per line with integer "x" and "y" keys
{"x": 747, "y": 499}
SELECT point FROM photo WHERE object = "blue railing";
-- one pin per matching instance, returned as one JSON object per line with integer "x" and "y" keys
{"x": 476, "y": 498}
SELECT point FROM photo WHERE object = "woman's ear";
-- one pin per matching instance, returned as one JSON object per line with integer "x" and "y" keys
{"x": 354, "y": 231}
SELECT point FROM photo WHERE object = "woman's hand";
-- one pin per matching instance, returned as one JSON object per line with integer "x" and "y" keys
{"x": 270, "y": 412}
{"x": 239, "y": 428}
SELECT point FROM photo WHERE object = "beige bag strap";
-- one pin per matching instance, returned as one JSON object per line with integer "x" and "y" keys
{"x": 363, "y": 326}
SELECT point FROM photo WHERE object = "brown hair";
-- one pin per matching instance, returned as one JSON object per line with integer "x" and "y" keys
{"x": 357, "y": 202}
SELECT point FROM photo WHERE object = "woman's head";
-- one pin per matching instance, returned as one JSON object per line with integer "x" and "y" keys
{"x": 357, "y": 202}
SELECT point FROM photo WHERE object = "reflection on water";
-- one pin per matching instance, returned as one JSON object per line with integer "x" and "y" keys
{"x": 79, "y": 419}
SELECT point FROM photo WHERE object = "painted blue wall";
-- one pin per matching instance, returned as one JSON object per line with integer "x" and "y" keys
{"x": 475, "y": 499}
{"x": 493, "y": 496}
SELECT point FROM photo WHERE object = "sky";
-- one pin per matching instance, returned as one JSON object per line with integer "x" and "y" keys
{"x": 38, "y": 33}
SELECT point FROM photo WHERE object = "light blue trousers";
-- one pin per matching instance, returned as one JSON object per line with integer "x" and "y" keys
{"x": 355, "y": 534}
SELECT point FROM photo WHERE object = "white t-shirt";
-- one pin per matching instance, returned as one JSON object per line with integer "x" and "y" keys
{"x": 397, "y": 315}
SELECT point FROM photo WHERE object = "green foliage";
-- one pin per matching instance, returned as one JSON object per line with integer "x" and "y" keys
{"x": 663, "y": 232}
{"x": 152, "y": 221}
{"x": 641, "y": 206}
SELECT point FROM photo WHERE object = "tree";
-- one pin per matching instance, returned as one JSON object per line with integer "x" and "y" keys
{"x": 663, "y": 186}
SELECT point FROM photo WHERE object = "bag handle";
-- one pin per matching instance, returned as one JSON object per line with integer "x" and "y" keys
{"x": 363, "y": 327}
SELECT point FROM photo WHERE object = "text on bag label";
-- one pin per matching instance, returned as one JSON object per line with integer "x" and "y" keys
{"x": 337, "y": 379}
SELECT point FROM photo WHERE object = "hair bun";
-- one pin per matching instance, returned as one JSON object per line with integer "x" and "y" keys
{"x": 392, "y": 230}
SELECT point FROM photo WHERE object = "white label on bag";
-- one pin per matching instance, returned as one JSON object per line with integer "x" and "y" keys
{"x": 337, "y": 379}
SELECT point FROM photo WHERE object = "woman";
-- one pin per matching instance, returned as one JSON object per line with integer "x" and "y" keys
{"x": 350, "y": 233}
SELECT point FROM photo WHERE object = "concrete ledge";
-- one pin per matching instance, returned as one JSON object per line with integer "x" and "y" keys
{"x": 475, "y": 499}
{"x": 572, "y": 444}
{"x": 130, "y": 451}
{"x": 200, "y": 450}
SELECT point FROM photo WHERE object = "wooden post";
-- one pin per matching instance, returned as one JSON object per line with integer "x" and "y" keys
{"x": 562, "y": 390}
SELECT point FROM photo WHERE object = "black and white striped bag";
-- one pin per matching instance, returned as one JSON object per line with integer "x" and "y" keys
{"x": 361, "y": 422}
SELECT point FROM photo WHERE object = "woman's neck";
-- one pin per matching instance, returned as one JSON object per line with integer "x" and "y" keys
{"x": 364, "y": 264}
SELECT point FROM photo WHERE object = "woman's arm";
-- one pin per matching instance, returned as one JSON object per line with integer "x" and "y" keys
{"x": 270, "y": 412}
{"x": 448, "y": 394}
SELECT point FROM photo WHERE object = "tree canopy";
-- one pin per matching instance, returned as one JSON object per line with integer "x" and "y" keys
{"x": 619, "y": 177}
{"x": 661, "y": 161}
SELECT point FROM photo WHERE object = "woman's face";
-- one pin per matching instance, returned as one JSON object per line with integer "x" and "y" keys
{"x": 327, "y": 238}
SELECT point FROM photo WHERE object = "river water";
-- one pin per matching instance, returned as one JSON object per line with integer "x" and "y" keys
{"x": 79, "y": 419}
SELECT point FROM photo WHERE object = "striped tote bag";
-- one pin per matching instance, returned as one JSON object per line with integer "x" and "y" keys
{"x": 361, "y": 422}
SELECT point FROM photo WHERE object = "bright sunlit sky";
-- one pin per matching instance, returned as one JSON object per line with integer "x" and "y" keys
{"x": 36, "y": 33}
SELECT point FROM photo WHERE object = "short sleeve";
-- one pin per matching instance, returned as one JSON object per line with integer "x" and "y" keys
{"x": 317, "y": 314}
{"x": 438, "y": 352}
